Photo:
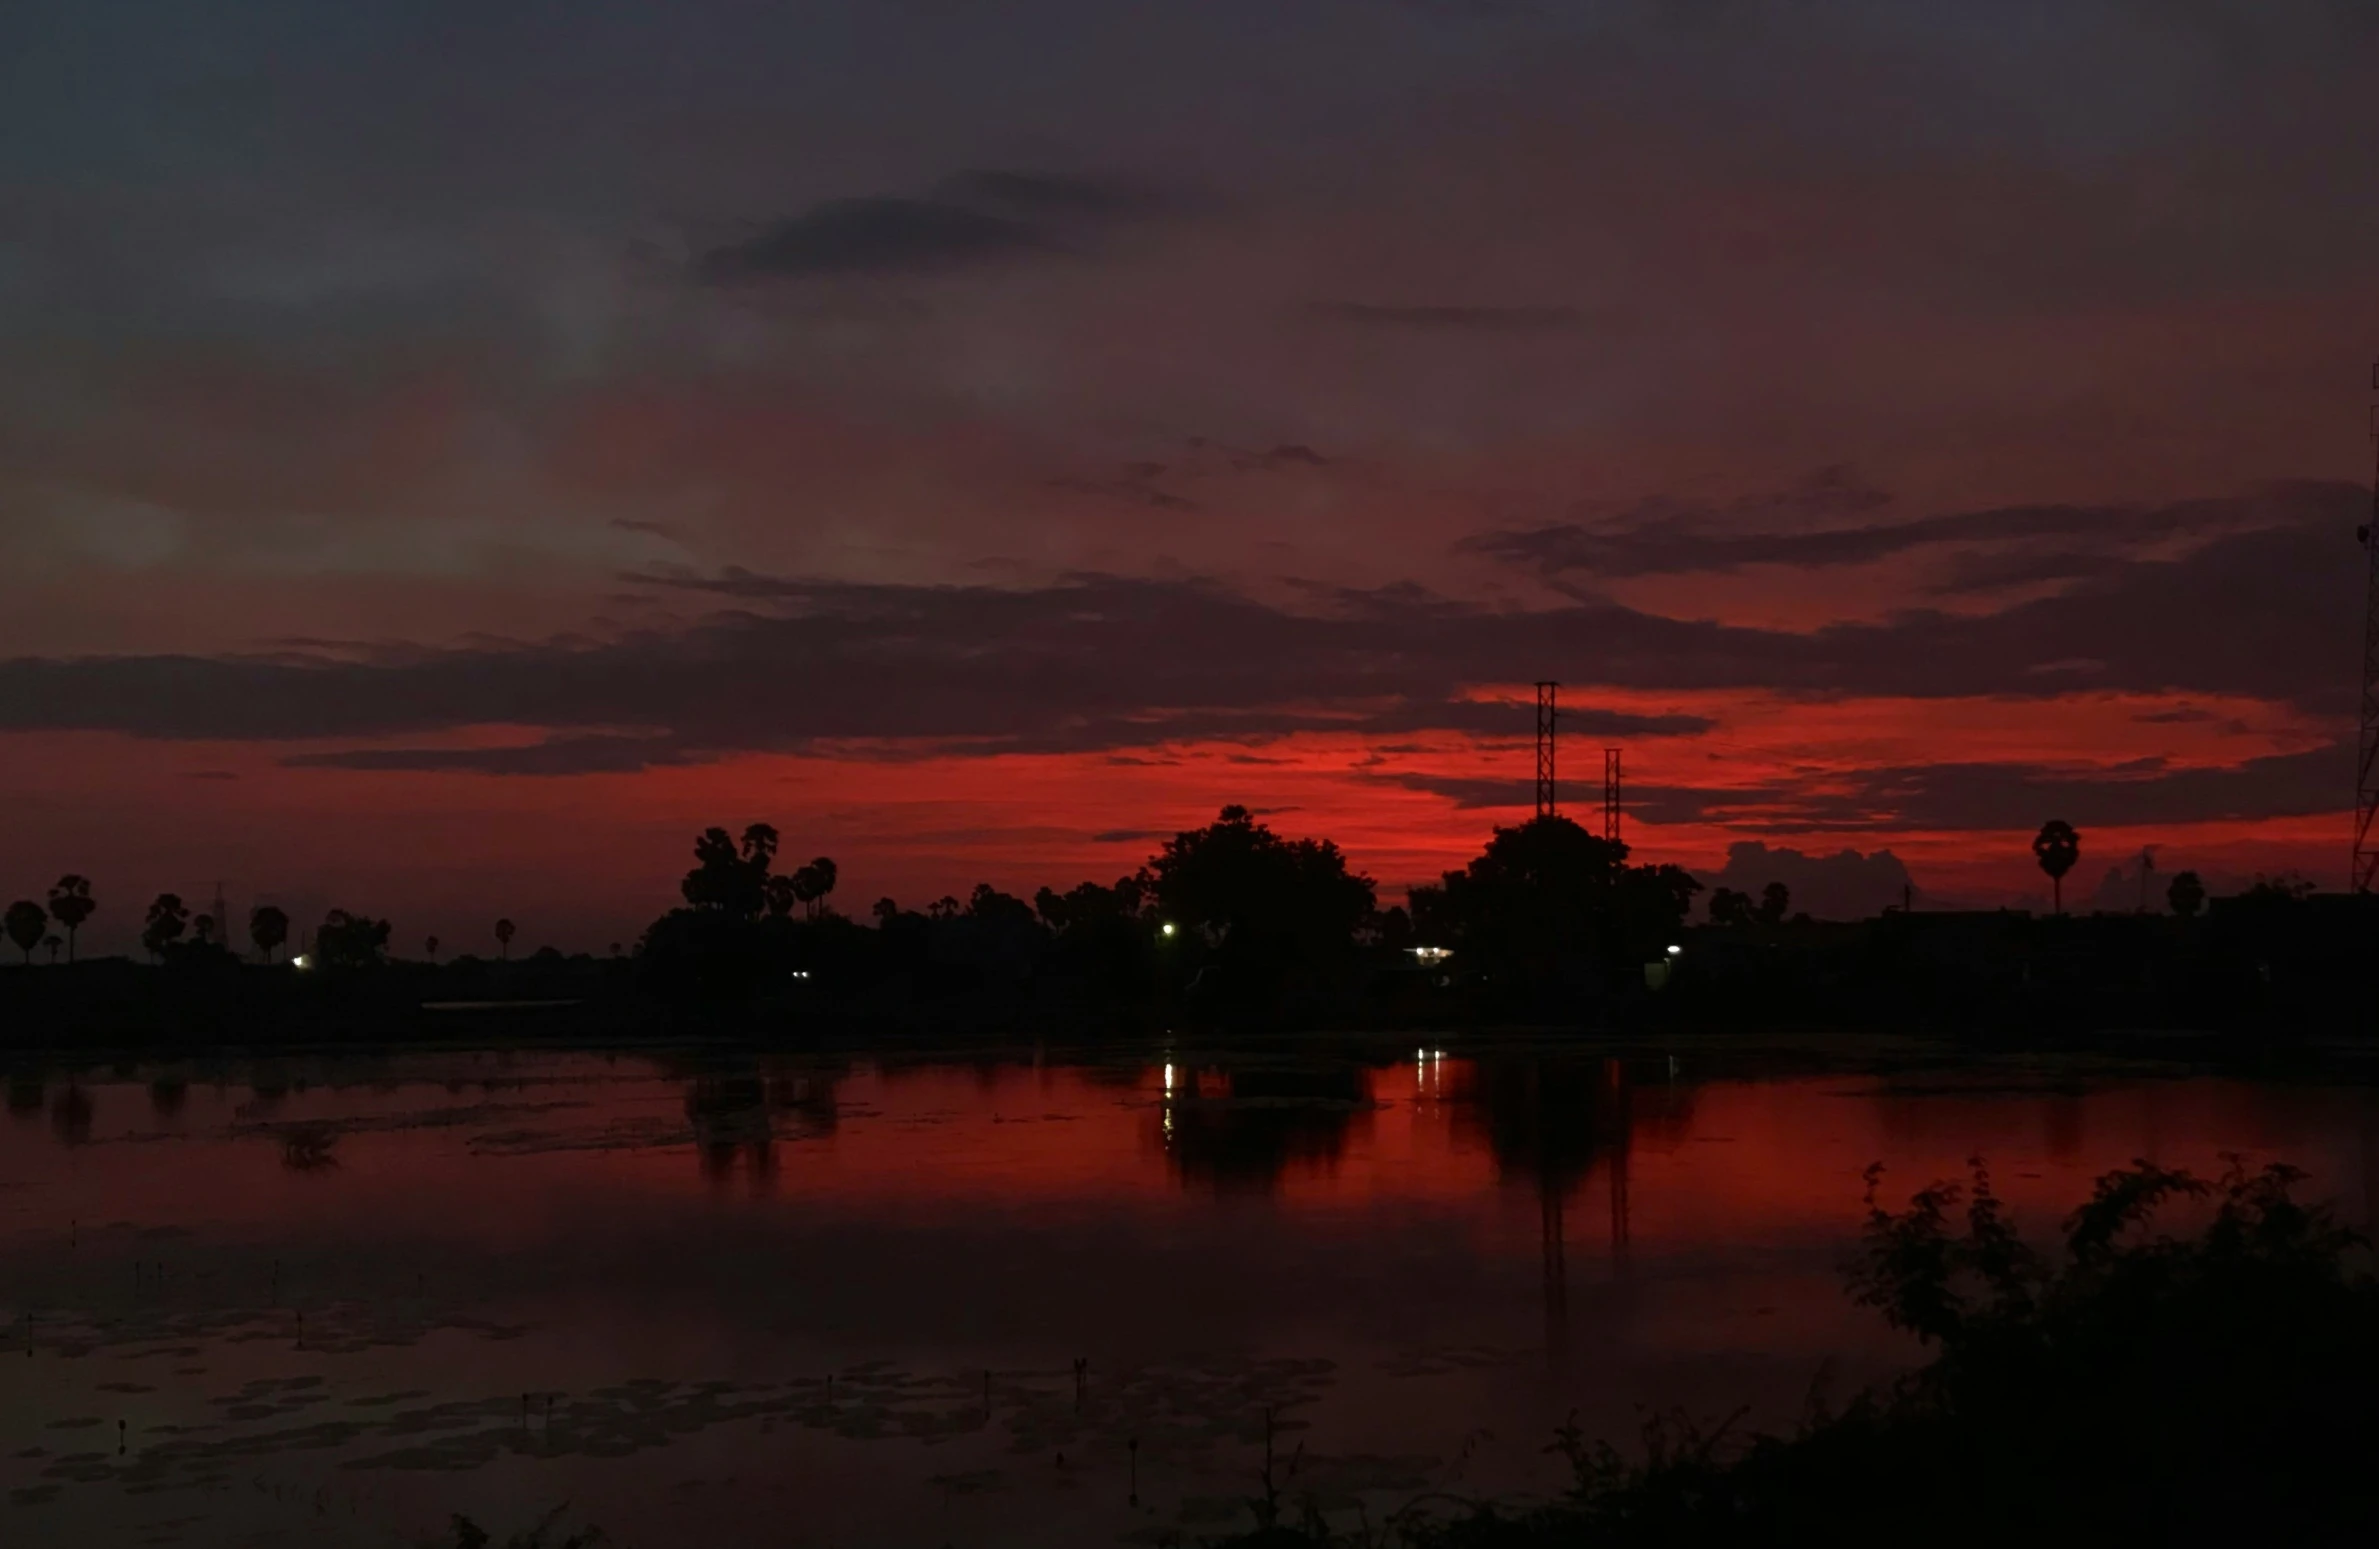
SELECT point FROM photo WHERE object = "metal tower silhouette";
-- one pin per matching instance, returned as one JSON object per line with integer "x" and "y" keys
{"x": 2366, "y": 785}
{"x": 1611, "y": 794}
{"x": 1546, "y": 713}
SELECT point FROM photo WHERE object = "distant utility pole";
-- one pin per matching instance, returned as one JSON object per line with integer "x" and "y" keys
{"x": 1547, "y": 711}
{"x": 2366, "y": 785}
{"x": 1611, "y": 794}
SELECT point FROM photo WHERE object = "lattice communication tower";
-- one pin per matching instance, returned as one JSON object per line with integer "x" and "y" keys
{"x": 1547, "y": 711}
{"x": 1611, "y": 794}
{"x": 2366, "y": 784}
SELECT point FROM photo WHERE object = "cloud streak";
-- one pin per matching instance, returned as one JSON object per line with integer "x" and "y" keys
{"x": 1105, "y": 663}
{"x": 1808, "y": 527}
{"x": 972, "y": 219}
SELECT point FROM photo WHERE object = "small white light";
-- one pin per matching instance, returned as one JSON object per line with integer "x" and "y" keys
{"x": 1168, "y": 927}
{"x": 302, "y": 960}
{"x": 1674, "y": 951}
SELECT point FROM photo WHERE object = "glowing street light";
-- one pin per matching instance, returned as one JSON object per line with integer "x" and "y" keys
{"x": 1167, "y": 928}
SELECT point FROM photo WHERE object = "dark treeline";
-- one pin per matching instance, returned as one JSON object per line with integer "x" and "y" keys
{"x": 1229, "y": 924}
{"x": 1231, "y": 920}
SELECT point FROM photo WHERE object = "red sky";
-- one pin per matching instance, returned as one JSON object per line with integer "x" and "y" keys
{"x": 447, "y": 459}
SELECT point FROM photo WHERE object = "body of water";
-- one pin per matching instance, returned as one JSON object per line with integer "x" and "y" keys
{"x": 975, "y": 1301}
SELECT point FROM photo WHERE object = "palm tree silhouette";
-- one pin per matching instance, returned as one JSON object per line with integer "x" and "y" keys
{"x": 504, "y": 939}
{"x": 26, "y": 921}
{"x": 268, "y": 927}
{"x": 51, "y": 943}
{"x": 2057, "y": 846}
{"x": 71, "y": 904}
{"x": 166, "y": 921}
{"x": 430, "y": 948}
{"x": 781, "y": 893}
{"x": 812, "y": 883}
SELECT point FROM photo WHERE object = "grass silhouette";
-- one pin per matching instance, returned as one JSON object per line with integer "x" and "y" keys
{"x": 2135, "y": 1386}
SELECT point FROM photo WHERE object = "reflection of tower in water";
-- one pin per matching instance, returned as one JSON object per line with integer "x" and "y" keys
{"x": 1551, "y": 1122}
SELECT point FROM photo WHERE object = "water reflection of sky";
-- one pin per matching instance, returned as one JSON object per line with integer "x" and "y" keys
{"x": 332, "y": 1301}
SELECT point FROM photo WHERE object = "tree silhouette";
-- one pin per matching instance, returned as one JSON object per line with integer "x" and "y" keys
{"x": 268, "y": 927}
{"x": 988, "y": 903}
{"x": 504, "y": 930}
{"x": 781, "y": 894}
{"x": 429, "y": 949}
{"x": 1547, "y": 892}
{"x": 1235, "y": 874}
{"x": 1729, "y": 907}
{"x": 731, "y": 879}
{"x": 204, "y": 929}
{"x": 51, "y": 943}
{"x": 1774, "y": 900}
{"x": 26, "y": 922}
{"x": 70, "y": 905}
{"x": 2187, "y": 895}
{"x": 350, "y": 940}
{"x": 165, "y": 923}
{"x": 2057, "y": 846}
{"x": 812, "y": 883}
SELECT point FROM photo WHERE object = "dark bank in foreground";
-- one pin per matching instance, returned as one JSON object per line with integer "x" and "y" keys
{"x": 2133, "y": 1386}
{"x": 1230, "y": 925}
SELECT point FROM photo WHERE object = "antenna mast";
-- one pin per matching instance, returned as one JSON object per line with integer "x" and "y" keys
{"x": 1611, "y": 794}
{"x": 2366, "y": 785}
{"x": 1546, "y": 713}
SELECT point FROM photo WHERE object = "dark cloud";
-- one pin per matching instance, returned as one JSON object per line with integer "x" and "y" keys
{"x": 1453, "y": 319}
{"x": 1954, "y": 796}
{"x": 972, "y": 218}
{"x": 1805, "y": 527}
{"x": 554, "y": 756}
{"x": 1846, "y": 885}
{"x": 1471, "y": 792}
{"x": 866, "y": 236}
{"x": 1044, "y": 194}
{"x": 1102, "y": 663}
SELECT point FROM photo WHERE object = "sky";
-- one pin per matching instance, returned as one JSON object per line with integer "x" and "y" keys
{"x": 450, "y": 453}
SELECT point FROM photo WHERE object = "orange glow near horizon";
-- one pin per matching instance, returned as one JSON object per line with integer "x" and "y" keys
{"x": 594, "y": 855}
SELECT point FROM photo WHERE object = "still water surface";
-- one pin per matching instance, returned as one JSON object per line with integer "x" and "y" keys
{"x": 792, "y": 1301}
